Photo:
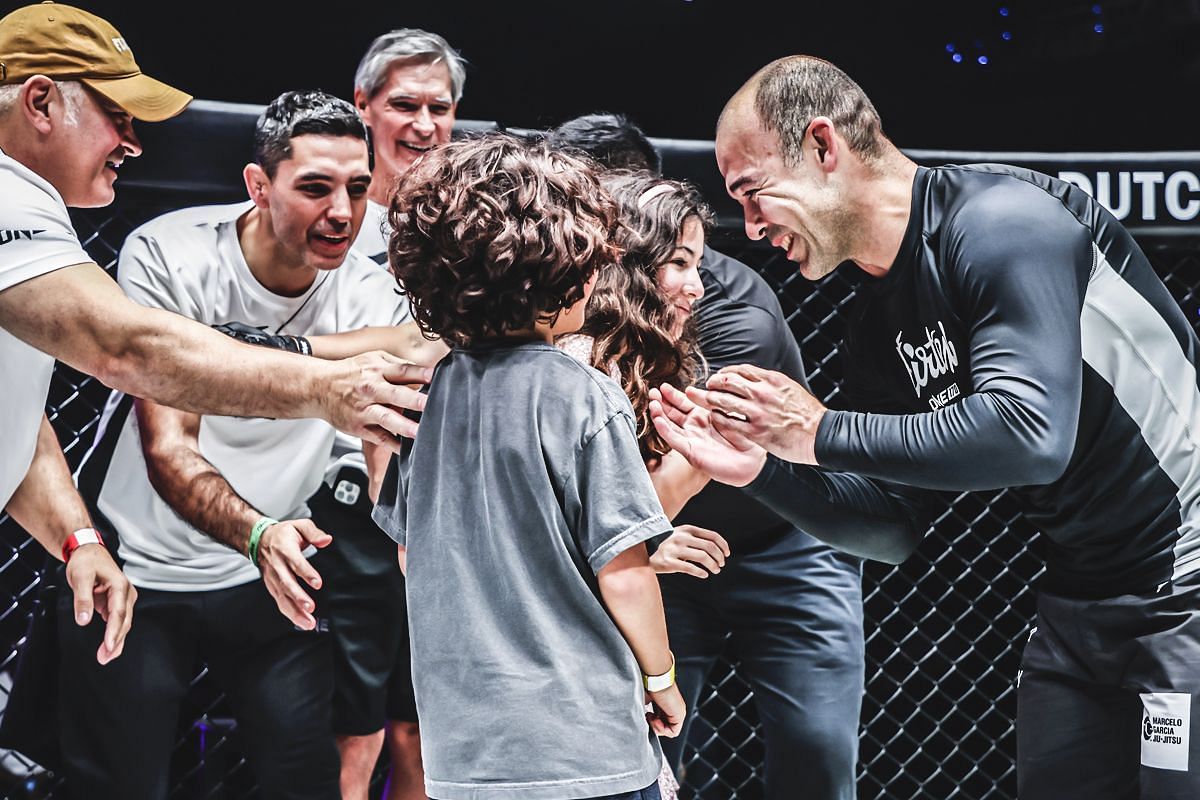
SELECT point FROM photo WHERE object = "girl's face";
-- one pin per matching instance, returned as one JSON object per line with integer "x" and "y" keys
{"x": 679, "y": 277}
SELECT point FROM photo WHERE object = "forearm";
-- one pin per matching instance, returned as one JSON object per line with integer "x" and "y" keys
{"x": 80, "y": 316}
{"x": 852, "y": 513}
{"x": 403, "y": 341}
{"x": 676, "y": 482}
{"x": 46, "y": 503}
{"x": 629, "y": 589}
{"x": 187, "y": 482}
{"x": 987, "y": 441}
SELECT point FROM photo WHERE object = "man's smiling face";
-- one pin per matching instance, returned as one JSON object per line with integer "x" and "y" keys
{"x": 797, "y": 208}
{"x": 411, "y": 113}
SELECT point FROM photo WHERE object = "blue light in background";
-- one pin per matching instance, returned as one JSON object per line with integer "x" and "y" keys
{"x": 1098, "y": 28}
{"x": 1006, "y": 36}
{"x": 983, "y": 59}
{"x": 1004, "y": 11}
{"x": 950, "y": 47}
{"x": 957, "y": 58}
{"x": 1097, "y": 10}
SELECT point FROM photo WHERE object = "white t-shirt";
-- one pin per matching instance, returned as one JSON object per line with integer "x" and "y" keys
{"x": 36, "y": 237}
{"x": 372, "y": 240}
{"x": 191, "y": 262}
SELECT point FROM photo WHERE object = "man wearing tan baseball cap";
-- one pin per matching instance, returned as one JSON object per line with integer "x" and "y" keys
{"x": 69, "y": 91}
{"x": 66, "y": 43}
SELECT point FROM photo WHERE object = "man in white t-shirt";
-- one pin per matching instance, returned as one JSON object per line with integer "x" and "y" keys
{"x": 69, "y": 90}
{"x": 200, "y": 504}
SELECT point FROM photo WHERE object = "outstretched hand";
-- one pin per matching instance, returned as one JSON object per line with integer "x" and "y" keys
{"x": 689, "y": 429}
{"x": 281, "y": 559}
{"x": 370, "y": 392}
{"x": 768, "y": 408}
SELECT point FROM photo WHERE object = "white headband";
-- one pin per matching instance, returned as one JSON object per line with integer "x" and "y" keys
{"x": 653, "y": 192}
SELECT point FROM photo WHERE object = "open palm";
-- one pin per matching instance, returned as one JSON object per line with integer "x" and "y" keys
{"x": 688, "y": 429}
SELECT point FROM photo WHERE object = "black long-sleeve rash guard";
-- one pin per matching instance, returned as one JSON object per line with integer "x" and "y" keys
{"x": 1021, "y": 339}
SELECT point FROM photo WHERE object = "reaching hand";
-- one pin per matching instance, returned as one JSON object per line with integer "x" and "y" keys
{"x": 367, "y": 396}
{"x": 99, "y": 585}
{"x": 691, "y": 550}
{"x": 282, "y": 563}
{"x": 764, "y": 407}
{"x": 689, "y": 429}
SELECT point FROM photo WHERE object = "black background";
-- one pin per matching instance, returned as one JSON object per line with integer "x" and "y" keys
{"x": 1056, "y": 84}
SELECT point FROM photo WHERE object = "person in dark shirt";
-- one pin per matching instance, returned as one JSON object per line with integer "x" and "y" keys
{"x": 792, "y": 604}
{"x": 1013, "y": 335}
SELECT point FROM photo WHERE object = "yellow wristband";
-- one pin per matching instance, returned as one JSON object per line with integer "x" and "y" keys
{"x": 656, "y": 683}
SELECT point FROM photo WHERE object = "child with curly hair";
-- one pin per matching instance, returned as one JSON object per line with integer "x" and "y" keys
{"x": 522, "y": 508}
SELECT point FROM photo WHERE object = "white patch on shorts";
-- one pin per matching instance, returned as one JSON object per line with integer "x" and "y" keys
{"x": 1166, "y": 723}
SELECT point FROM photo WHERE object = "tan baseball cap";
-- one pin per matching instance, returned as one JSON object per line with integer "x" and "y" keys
{"x": 66, "y": 43}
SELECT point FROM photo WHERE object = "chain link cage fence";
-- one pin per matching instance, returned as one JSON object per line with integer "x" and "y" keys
{"x": 944, "y": 630}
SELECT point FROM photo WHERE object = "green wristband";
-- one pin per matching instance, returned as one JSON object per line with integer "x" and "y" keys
{"x": 256, "y": 534}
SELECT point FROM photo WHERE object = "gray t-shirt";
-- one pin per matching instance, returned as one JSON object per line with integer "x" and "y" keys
{"x": 524, "y": 481}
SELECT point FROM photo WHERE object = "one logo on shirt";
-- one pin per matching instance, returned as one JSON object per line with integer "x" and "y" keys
{"x": 929, "y": 360}
{"x": 12, "y": 236}
{"x": 346, "y": 493}
{"x": 1166, "y": 730}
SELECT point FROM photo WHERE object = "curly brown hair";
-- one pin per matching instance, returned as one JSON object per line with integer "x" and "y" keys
{"x": 627, "y": 316}
{"x": 495, "y": 233}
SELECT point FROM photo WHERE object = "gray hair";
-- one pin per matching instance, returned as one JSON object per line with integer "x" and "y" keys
{"x": 72, "y": 92}
{"x": 408, "y": 45}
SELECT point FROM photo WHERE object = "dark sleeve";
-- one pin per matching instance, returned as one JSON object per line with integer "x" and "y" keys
{"x": 1015, "y": 264}
{"x": 860, "y": 516}
{"x": 755, "y": 336}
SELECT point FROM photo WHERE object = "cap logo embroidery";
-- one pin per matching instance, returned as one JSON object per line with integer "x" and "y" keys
{"x": 119, "y": 43}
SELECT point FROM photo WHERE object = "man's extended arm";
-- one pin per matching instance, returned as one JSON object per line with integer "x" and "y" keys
{"x": 1017, "y": 275}
{"x": 47, "y": 505}
{"x": 861, "y": 516}
{"x": 201, "y": 495}
{"x": 80, "y": 316}
{"x": 403, "y": 341}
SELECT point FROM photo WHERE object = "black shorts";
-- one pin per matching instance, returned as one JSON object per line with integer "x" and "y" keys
{"x": 362, "y": 603}
{"x": 1109, "y": 697}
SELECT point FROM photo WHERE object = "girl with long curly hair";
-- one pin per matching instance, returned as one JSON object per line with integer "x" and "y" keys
{"x": 639, "y": 326}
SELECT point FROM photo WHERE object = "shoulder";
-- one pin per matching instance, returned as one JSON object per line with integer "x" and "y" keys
{"x": 994, "y": 202}
{"x": 731, "y": 286}
{"x": 28, "y": 195}
{"x": 188, "y": 228}
{"x": 570, "y": 388}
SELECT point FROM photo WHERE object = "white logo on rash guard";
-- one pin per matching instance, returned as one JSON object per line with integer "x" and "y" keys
{"x": 925, "y": 362}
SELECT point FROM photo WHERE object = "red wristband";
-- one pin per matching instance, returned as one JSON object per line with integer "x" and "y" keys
{"x": 78, "y": 539}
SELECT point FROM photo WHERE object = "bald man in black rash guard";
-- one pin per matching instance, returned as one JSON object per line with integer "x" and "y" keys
{"x": 1013, "y": 335}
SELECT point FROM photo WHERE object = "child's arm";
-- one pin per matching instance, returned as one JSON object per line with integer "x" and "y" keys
{"x": 402, "y": 557}
{"x": 675, "y": 481}
{"x": 629, "y": 589}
